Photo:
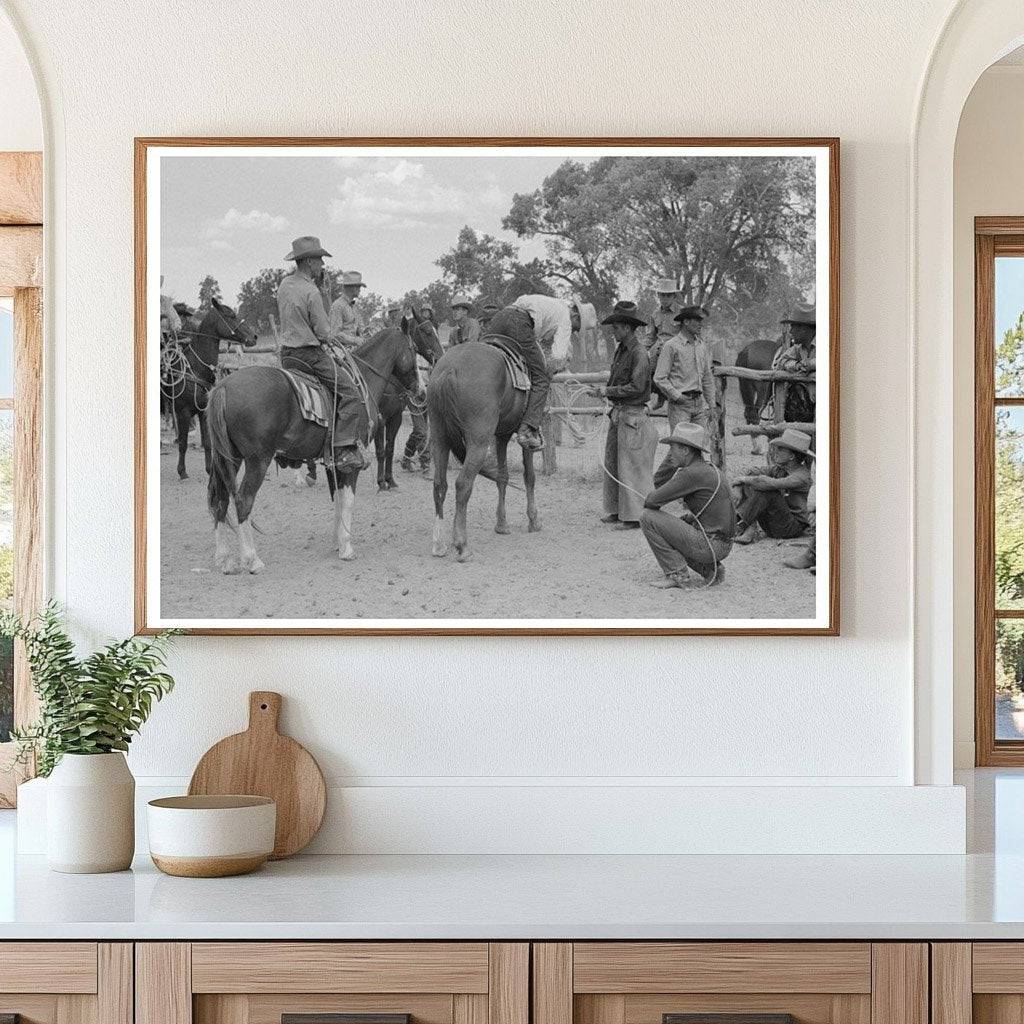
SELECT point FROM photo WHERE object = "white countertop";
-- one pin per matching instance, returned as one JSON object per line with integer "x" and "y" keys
{"x": 532, "y": 897}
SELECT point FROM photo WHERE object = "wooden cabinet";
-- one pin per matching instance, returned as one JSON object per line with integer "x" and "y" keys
{"x": 815, "y": 982}
{"x": 66, "y": 982}
{"x": 980, "y": 982}
{"x": 261, "y": 982}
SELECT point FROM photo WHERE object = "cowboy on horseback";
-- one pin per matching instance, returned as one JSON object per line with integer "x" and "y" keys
{"x": 346, "y": 323}
{"x": 305, "y": 337}
{"x": 530, "y": 322}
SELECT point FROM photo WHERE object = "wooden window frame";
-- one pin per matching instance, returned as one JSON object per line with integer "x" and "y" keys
{"x": 21, "y": 277}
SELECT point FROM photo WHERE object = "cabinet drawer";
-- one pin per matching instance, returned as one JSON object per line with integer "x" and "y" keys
{"x": 635, "y": 967}
{"x": 340, "y": 967}
{"x": 749, "y": 982}
{"x": 262, "y": 982}
{"x": 48, "y": 967}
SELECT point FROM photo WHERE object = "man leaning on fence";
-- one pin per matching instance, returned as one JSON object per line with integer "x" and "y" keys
{"x": 630, "y": 445}
{"x": 684, "y": 373}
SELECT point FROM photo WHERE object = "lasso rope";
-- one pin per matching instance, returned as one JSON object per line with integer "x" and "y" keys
{"x": 696, "y": 515}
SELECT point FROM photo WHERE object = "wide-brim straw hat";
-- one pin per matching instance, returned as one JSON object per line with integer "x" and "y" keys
{"x": 625, "y": 313}
{"x": 461, "y": 300}
{"x": 306, "y": 247}
{"x": 692, "y": 434}
{"x": 666, "y": 286}
{"x": 352, "y": 277}
{"x": 801, "y": 315}
{"x": 795, "y": 441}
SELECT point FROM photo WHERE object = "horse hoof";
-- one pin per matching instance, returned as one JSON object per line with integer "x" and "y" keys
{"x": 465, "y": 555}
{"x": 230, "y": 566}
{"x": 311, "y": 481}
{"x": 182, "y": 477}
{"x": 502, "y": 528}
{"x": 392, "y": 486}
{"x": 534, "y": 526}
{"x": 348, "y": 556}
{"x": 255, "y": 566}
{"x": 439, "y": 550}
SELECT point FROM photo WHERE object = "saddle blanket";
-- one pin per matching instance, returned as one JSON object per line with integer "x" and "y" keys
{"x": 312, "y": 398}
{"x": 518, "y": 375}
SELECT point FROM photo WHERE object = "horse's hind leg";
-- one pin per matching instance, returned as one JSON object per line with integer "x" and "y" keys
{"x": 394, "y": 426}
{"x": 530, "y": 479}
{"x": 501, "y": 479}
{"x": 255, "y": 471}
{"x": 440, "y": 453}
{"x": 476, "y": 457}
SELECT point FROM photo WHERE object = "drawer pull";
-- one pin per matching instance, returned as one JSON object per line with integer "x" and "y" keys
{"x": 728, "y": 1018}
{"x": 342, "y": 1018}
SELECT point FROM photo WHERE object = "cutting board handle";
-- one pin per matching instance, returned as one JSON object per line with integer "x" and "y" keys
{"x": 264, "y": 710}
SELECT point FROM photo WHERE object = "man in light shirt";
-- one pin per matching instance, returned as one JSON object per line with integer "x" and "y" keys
{"x": 684, "y": 373}
{"x": 305, "y": 335}
{"x": 530, "y": 322}
{"x": 346, "y": 323}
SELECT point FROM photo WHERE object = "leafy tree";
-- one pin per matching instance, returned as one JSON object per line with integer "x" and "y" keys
{"x": 726, "y": 227}
{"x": 488, "y": 268}
{"x": 1009, "y": 473}
{"x": 257, "y": 299}
{"x": 209, "y": 290}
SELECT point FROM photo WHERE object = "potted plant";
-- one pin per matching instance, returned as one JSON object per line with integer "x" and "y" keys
{"x": 89, "y": 710}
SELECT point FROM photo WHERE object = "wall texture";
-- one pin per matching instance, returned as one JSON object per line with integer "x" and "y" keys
{"x": 987, "y": 182}
{"x": 435, "y": 718}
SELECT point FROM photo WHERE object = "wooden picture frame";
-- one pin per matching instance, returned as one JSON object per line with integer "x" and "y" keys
{"x": 147, "y": 207}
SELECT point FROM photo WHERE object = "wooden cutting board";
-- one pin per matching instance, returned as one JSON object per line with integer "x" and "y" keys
{"x": 262, "y": 762}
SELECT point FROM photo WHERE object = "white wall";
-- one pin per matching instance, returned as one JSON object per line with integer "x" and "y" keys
{"x": 988, "y": 181}
{"x": 395, "y": 713}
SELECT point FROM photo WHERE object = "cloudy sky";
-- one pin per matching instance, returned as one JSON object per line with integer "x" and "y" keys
{"x": 389, "y": 217}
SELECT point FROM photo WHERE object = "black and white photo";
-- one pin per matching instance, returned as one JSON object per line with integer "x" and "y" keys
{"x": 449, "y": 386}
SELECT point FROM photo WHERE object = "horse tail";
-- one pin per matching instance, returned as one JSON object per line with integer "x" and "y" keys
{"x": 224, "y": 461}
{"x": 445, "y": 405}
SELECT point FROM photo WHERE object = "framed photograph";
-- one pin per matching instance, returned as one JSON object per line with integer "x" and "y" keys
{"x": 487, "y": 386}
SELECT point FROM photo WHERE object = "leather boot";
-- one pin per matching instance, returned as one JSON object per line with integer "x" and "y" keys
{"x": 671, "y": 581}
{"x": 748, "y": 536}
{"x": 804, "y": 560}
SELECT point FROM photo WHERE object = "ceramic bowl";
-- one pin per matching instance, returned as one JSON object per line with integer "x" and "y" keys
{"x": 211, "y": 836}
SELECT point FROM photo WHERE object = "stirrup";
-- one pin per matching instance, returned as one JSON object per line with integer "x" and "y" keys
{"x": 533, "y": 441}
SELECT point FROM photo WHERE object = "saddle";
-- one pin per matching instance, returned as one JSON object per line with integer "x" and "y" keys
{"x": 518, "y": 375}
{"x": 314, "y": 402}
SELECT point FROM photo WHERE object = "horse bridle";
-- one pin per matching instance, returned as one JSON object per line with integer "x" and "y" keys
{"x": 408, "y": 393}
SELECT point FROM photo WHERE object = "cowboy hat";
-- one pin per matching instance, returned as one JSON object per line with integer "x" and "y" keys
{"x": 491, "y": 304}
{"x": 795, "y": 440}
{"x": 461, "y": 300}
{"x": 625, "y": 313}
{"x": 184, "y": 309}
{"x": 666, "y": 286}
{"x": 801, "y": 315}
{"x": 691, "y": 313}
{"x": 692, "y": 434}
{"x": 351, "y": 277}
{"x": 305, "y": 247}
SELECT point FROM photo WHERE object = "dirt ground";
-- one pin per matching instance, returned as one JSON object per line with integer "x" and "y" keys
{"x": 575, "y": 567}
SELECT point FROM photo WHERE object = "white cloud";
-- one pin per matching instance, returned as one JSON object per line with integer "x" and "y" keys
{"x": 222, "y": 245}
{"x": 400, "y": 172}
{"x": 255, "y": 220}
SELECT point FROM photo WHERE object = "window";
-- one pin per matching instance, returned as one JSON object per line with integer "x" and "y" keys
{"x": 999, "y": 490}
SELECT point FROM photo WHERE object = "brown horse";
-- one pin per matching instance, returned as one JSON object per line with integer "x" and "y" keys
{"x": 758, "y": 355}
{"x": 394, "y": 402}
{"x": 473, "y": 410}
{"x": 192, "y": 373}
{"x": 254, "y": 417}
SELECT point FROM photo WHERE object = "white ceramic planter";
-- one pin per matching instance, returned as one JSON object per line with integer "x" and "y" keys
{"x": 90, "y": 814}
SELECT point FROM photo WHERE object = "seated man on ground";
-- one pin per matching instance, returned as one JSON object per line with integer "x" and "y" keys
{"x": 702, "y": 538}
{"x": 530, "y": 322}
{"x": 774, "y": 498}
